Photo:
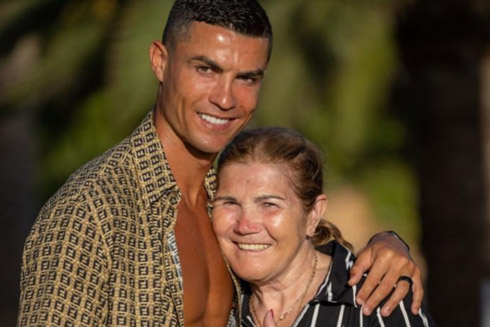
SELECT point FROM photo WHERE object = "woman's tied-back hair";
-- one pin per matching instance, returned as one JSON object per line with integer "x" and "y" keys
{"x": 246, "y": 17}
{"x": 303, "y": 162}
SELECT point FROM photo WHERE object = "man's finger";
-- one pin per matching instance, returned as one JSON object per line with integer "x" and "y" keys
{"x": 382, "y": 291}
{"x": 361, "y": 265}
{"x": 401, "y": 290}
{"x": 418, "y": 292}
{"x": 375, "y": 297}
{"x": 370, "y": 284}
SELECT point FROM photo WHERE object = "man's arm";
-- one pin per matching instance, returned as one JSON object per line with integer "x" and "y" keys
{"x": 64, "y": 270}
{"x": 386, "y": 258}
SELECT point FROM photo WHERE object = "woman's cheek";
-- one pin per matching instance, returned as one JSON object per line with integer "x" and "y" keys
{"x": 273, "y": 218}
{"x": 223, "y": 220}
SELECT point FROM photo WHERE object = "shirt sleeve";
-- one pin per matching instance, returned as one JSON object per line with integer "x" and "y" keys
{"x": 64, "y": 271}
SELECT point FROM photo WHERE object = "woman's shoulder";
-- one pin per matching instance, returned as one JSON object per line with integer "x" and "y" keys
{"x": 337, "y": 291}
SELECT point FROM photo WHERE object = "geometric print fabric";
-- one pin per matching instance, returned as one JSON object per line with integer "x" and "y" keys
{"x": 102, "y": 250}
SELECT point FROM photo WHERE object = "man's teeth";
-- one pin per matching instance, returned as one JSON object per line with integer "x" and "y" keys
{"x": 253, "y": 247}
{"x": 214, "y": 120}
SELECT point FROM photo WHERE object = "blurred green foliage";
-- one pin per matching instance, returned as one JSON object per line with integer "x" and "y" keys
{"x": 82, "y": 66}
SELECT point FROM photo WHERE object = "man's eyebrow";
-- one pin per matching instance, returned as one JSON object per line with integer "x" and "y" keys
{"x": 215, "y": 66}
{"x": 251, "y": 74}
{"x": 268, "y": 197}
{"x": 208, "y": 61}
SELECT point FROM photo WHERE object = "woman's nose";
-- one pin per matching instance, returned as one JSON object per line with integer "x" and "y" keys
{"x": 245, "y": 225}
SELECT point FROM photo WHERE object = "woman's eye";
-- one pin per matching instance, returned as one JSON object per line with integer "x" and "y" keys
{"x": 269, "y": 204}
{"x": 226, "y": 203}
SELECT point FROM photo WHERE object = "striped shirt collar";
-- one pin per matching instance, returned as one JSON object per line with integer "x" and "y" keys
{"x": 334, "y": 289}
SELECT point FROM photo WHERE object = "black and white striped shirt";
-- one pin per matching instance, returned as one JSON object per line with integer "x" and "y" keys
{"x": 334, "y": 304}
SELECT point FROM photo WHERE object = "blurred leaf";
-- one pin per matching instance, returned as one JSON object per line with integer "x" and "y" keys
{"x": 60, "y": 67}
{"x": 88, "y": 75}
{"x": 13, "y": 11}
{"x": 88, "y": 137}
{"x": 364, "y": 76}
{"x": 390, "y": 185}
{"x": 132, "y": 86}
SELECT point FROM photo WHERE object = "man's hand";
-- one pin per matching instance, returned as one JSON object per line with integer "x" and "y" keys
{"x": 387, "y": 258}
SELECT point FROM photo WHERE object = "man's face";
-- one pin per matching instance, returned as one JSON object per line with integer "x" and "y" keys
{"x": 210, "y": 84}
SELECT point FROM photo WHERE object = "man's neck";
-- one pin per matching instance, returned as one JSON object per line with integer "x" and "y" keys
{"x": 188, "y": 166}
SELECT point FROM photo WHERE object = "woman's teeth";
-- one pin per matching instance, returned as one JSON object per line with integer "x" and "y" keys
{"x": 252, "y": 247}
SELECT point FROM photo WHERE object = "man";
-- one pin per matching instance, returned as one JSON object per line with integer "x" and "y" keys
{"x": 129, "y": 233}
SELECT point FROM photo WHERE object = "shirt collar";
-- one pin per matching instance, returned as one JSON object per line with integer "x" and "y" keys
{"x": 154, "y": 173}
{"x": 335, "y": 288}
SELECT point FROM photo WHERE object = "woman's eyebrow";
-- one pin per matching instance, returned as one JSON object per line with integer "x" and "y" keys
{"x": 268, "y": 197}
{"x": 224, "y": 198}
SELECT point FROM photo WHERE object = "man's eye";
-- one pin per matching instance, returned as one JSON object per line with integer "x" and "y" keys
{"x": 248, "y": 80}
{"x": 204, "y": 69}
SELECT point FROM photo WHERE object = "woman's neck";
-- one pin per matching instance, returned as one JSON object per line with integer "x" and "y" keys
{"x": 287, "y": 295}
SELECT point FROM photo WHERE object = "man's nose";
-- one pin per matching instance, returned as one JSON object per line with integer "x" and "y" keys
{"x": 223, "y": 95}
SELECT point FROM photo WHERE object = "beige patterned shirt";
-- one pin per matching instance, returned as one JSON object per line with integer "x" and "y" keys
{"x": 102, "y": 251}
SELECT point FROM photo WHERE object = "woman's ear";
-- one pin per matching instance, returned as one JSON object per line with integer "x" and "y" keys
{"x": 316, "y": 214}
{"x": 158, "y": 59}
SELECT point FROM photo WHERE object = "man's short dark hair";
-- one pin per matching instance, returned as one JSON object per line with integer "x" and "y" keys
{"x": 246, "y": 17}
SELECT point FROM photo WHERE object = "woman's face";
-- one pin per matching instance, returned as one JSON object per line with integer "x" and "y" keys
{"x": 260, "y": 222}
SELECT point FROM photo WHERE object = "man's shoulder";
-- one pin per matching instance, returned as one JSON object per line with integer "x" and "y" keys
{"x": 99, "y": 176}
{"x": 132, "y": 173}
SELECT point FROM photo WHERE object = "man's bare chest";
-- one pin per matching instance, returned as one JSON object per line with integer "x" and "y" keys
{"x": 208, "y": 288}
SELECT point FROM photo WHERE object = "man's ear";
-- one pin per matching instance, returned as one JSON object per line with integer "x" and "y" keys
{"x": 316, "y": 214}
{"x": 158, "y": 59}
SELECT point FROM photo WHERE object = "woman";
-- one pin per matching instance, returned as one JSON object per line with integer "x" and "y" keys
{"x": 268, "y": 219}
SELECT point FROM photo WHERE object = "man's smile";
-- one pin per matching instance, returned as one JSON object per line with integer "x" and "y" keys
{"x": 214, "y": 120}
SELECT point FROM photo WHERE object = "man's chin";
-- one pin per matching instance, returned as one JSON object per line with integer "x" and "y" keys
{"x": 205, "y": 151}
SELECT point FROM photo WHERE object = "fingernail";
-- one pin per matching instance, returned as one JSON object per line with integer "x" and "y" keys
{"x": 386, "y": 311}
{"x": 366, "y": 311}
{"x": 272, "y": 313}
{"x": 359, "y": 301}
